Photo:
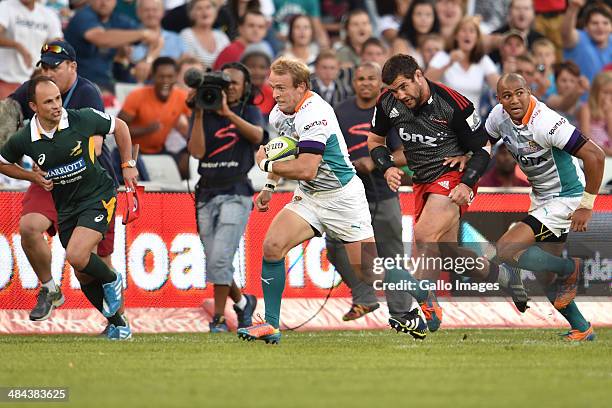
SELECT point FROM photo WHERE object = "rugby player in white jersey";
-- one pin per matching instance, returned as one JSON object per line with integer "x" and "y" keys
{"x": 329, "y": 198}
{"x": 546, "y": 147}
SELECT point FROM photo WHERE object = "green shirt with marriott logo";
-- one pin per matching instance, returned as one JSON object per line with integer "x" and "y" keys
{"x": 68, "y": 156}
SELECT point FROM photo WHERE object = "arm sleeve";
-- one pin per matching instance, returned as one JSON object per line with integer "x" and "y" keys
{"x": 313, "y": 132}
{"x": 553, "y": 130}
{"x": 381, "y": 124}
{"x": 393, "y": 140}
{"x": 5, "y": 15}
{"x": 13, "y": 150}
{"x": 84, "y": 22}
{"x": 491, "y": 125}
{"x": 488, "y": 66}
{"x": 132, "y": 101}
{"x": 96, "y": 122}
{"x": 253, "y": 116}
{"x": 466, "y": 123}
{"x": 439, "y": 60}
{"x": 55, "y": 26}
{"x": 314, "y": 8}
{"x": 93, "y": 98}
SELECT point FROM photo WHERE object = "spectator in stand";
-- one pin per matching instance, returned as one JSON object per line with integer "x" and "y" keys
{"x": 238, "y": 8}
{"x": 334, "y": 11}
{"x": 545, "y": 56}
{"x": 520, "y": 18}
{"x": 150, "y": 13}
{"x": 430, "y": 46}
{"x": 25, "y": 26}
{"x": 503, "y": 172}
{"x": 96, "y": 31}
{"x": 595, "y": 116}
{"x": 252, "y": 30}
{"x": 467, "y": 68}
{"x": 374, "y": 50}
{"x": 201, "y": 40}
{"x": 259, "y": 63}
{"x": 358, "y": 29}
{"x": 591, "y": 47}
{"x": 526, "y": 67}
{"x": 325, "y": 81}
{"x": 450, "y": 13}
{"x": 513, "y": 45}
{"x": 152, "y": 111}
{"x": 285, "y": 9}
{"x": 300, "y": 41}
{"x": 570, "y": 86}
{"x": 178, "y": 18}
{"x": 391, "y": 16}
{"x": 548, "y": 20}
{"x": 420, "y": 20}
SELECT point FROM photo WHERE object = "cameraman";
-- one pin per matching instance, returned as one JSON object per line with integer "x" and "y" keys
{"x": 224, "y": 141}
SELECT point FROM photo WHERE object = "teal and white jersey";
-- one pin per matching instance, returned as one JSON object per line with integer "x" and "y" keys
{"x": 543, "y": 146}
{"x": 315, "y": 126}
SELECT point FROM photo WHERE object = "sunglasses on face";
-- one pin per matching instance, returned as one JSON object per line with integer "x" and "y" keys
{"x": 55, "y": 49}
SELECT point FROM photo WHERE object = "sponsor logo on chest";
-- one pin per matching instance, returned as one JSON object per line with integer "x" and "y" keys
{"x": 417, "y": 138}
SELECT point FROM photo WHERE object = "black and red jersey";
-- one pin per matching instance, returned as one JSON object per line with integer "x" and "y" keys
{"x": 446, "y": 125}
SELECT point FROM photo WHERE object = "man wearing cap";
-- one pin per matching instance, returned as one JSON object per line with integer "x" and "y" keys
{"x": 25, "y": 25}
{"x": 521, "y": 16}
{"x": 58, "y": 61}
{"x": 513, "y": 45}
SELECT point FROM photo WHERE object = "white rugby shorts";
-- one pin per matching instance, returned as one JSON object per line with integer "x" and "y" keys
{"x": 343, "y": 213}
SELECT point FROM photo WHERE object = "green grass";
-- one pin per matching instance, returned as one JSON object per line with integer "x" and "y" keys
{"x": 488, "y": 368}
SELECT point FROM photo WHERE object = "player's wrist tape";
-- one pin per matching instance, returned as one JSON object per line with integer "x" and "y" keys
{"x": 266, "y": 165}
{"x": 270, "y": 185}
{"x": 588, "y": 201}
{"x": 381, "y": 155}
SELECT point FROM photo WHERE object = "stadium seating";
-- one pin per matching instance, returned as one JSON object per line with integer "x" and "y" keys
{"x": 162, "y": 168}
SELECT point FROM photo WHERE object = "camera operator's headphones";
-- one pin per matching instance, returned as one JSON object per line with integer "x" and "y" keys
{"x": 248, "y": 85}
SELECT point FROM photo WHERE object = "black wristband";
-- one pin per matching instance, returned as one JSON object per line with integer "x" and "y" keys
{"x": 381, "y": 155}
{"x": 470, "y": 177}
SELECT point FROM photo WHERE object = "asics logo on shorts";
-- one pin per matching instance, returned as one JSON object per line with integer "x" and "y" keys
{"x": 99, "y": 218}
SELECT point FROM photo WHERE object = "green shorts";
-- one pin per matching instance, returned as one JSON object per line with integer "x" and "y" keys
{"x": 96, "y": 215}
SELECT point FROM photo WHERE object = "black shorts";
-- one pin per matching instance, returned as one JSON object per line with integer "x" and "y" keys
{"x": 96, "y": 216}
{"x": 541, "y": 231}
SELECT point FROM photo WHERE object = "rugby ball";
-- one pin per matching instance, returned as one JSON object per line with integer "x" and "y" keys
{"x": 281, "y": 148}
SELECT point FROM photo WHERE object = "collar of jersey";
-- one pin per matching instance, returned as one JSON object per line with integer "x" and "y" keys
{"x": 532, "y": 104}
{"x": 35, "y": 133}
{"x": 307, "y": 95}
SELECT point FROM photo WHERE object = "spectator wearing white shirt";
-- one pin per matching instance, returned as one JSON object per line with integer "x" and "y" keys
{"x": 467, "y": 68}
{"x": 25, "y": 26}
{"x": 200, "y": 39}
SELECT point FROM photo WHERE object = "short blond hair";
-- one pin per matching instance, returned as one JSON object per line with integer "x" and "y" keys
{"x": 298, "y": 71}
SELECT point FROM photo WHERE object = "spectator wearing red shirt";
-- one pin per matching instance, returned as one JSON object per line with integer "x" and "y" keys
{"x": 503, "y": 172}
{"x": 251, "y": 32}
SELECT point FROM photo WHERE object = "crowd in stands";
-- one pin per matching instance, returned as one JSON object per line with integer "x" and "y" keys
{"x": 562, "y": 47}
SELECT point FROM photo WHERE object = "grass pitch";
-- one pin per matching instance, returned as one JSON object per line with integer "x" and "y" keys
{"x": 459, "y": 368}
